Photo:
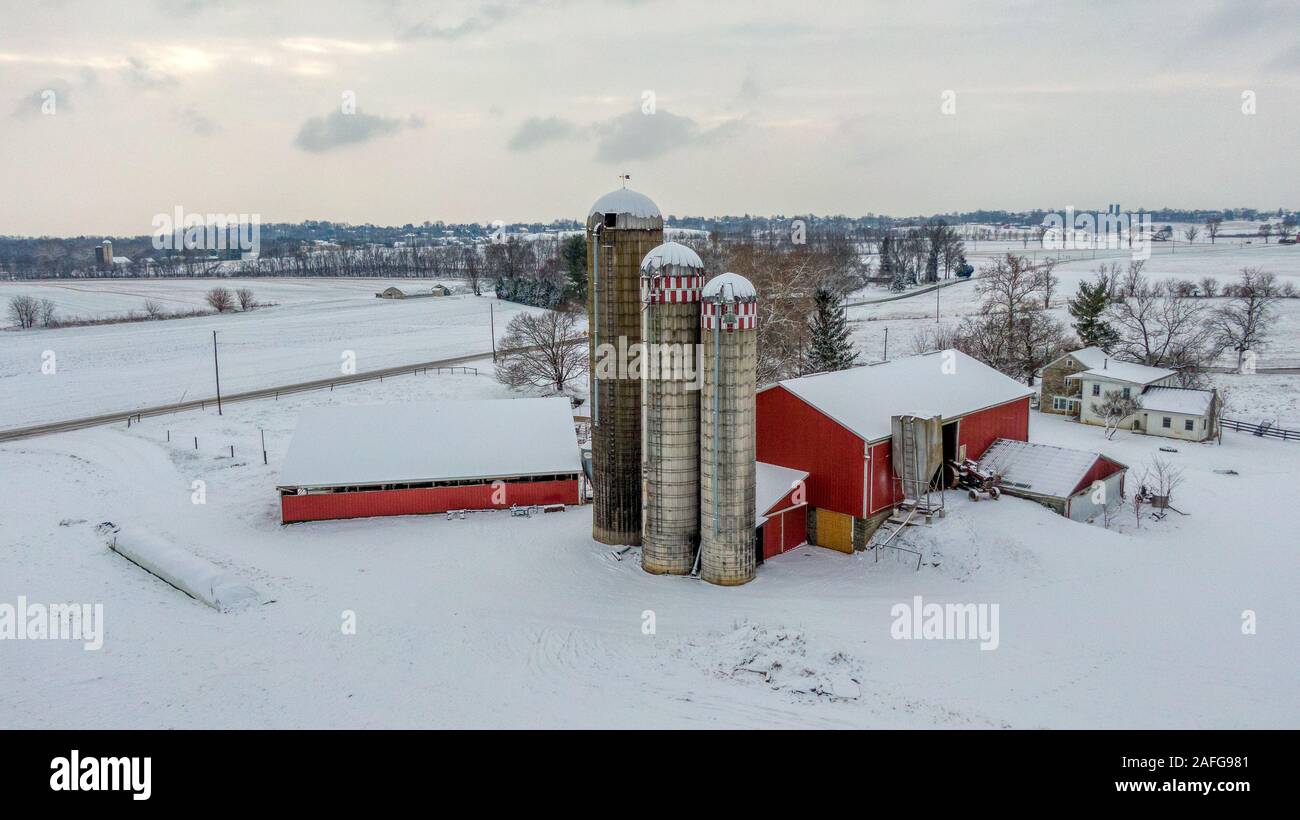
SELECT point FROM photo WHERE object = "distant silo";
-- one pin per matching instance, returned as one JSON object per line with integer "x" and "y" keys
{"x": 671, "y": 276}
{"x": 728, "y": 320}
{"x": 622, "y": 227}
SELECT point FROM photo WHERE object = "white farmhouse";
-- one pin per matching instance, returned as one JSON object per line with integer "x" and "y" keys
{"x": 1164, "y": 409}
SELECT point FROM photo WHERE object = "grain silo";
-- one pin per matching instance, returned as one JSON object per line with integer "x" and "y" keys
{"x": 622, "y": 227}
{"x": 727, "y": 468}
{"x": 671, "y": 276}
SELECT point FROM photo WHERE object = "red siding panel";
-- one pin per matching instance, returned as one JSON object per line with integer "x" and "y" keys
{"x": 978, "y": 430}
{"x": 1101, "y": 468}
{"x": 793, "y": 434}
{"x": 784, "y": 532}
{"x": 882, "y": 477}
{"x": 328, "y": 506}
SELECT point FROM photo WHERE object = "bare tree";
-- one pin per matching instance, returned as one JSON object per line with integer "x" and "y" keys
{"x": 1191, "y": 233}
{"x": 24, "y": 311}
{"x": 542, "y": 351}
{"x": 220, "y": 300}
{"x": 1160, "y": 328}
{"x": 1266, "y": 230}
{"x": 1244, "y": 322}
{"x": 1212, "y": 227}
{"x": 1115, "y": 408}
{"x": 246, "y": 301}
{"x": 1161, "y": 477}
{"x": 48, "y": 313}
{"x": 152, "y": 309}
{"x": 1133, "y": 276}
{"x": 1209, "y": 287}
{"x": 1047, "y": 282}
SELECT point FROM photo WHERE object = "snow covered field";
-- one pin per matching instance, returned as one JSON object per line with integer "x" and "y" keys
{"x": 501, "y": 621}
{"x": 305, "y": 336}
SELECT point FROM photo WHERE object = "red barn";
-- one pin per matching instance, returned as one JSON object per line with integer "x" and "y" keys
{"x": 836, "y": 427}
{"x": 358, "y": 461}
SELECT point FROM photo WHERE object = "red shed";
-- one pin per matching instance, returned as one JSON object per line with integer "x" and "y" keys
{"x": 836, "y": 426}
{"x": 357, "y": 461}
{"x": 780, "y": 508}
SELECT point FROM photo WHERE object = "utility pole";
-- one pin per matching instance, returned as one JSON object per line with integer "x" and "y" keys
{"x": 492, "y": 323}
{"x": 886, "y": 344}
{"x": 216, "y": 369}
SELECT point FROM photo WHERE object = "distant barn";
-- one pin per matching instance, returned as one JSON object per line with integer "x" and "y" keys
{"x": 358, "y": 461}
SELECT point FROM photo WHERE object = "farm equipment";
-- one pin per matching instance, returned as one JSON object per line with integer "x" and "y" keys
{"x": 968, "y": 476}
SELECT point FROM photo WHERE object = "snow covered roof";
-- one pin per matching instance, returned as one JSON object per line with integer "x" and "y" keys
{"x": 735, "y": 284}
{"x": 433, "y": 441}
{"x": 1038, "y": 468}
{"x": 1117, "y": 371}
{"x": 671, "y": 253}
{"x": 1184, "y": 400}
{"x": 626, "y": 201}
{"x": 1089, "y": 357}
{"x": 864, "y": 399}
{"x": 771, "y": 484}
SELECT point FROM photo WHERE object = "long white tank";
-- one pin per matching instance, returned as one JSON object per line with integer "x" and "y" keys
{"x": 727, "y": 469}
{"x": 671, "y": 276}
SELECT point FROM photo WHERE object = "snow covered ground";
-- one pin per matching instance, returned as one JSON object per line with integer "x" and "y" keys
{"x": 305, "y": 336}
{"x": 501, "y": 621}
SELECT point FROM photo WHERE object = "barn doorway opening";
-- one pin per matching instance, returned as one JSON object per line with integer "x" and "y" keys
{"x": 950, "y": 452}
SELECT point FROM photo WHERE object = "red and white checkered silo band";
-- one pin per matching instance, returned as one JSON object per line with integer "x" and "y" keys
{"x": 670, "y": 290}
{"x": 746, "y": 314}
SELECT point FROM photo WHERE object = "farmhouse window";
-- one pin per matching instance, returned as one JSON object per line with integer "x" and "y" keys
{"x": 1188, "y": 425}
{"x": 1096, "y": 390}
{"x": 1165, "y": 423}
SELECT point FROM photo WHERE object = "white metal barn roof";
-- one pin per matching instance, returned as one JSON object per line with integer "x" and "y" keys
{"x": 1038, "y": 468}
{"x": 1184, "y": 400}
{"x": 771, "y": 484}
{"x": 864, "y": 399}
{"x": 434, "y": 441}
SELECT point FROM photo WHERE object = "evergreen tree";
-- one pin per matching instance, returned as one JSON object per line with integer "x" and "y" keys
{"x": 1088, "y": 309}
{"x": 573, "y": 261}
{"x": 830, "y": 346}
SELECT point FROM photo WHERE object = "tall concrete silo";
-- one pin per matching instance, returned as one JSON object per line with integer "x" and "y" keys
{"x": 671, "y": 276}
{"x": 728, "y": 333}
{"x": 622, "y": 227}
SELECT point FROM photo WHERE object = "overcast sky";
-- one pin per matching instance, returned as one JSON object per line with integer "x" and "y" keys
{"x": 528, "y": 110}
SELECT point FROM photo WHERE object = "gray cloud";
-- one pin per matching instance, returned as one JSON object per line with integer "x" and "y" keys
{"x": 142, "y": 75}
{"x": 198, "y": 122}
{"x": 488, "y": 17}
{"x": 537, "y": 131}
{"x": 644, "y": 136}
{"x": 33, "y": 104}
{"x": 336, "y": 129}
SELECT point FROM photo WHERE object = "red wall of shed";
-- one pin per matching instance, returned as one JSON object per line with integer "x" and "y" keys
{"x": 978, "y": 430}
{"x": 791, "y": 433}
{"x": 785, "y": 531}
{"x": 1101, "y": 468}
{"x": 328, "y": 506}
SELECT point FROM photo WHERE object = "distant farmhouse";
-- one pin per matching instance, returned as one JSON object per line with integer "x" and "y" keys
{"x": 1074, "y": 383}
{"x": 398, "y": 293}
